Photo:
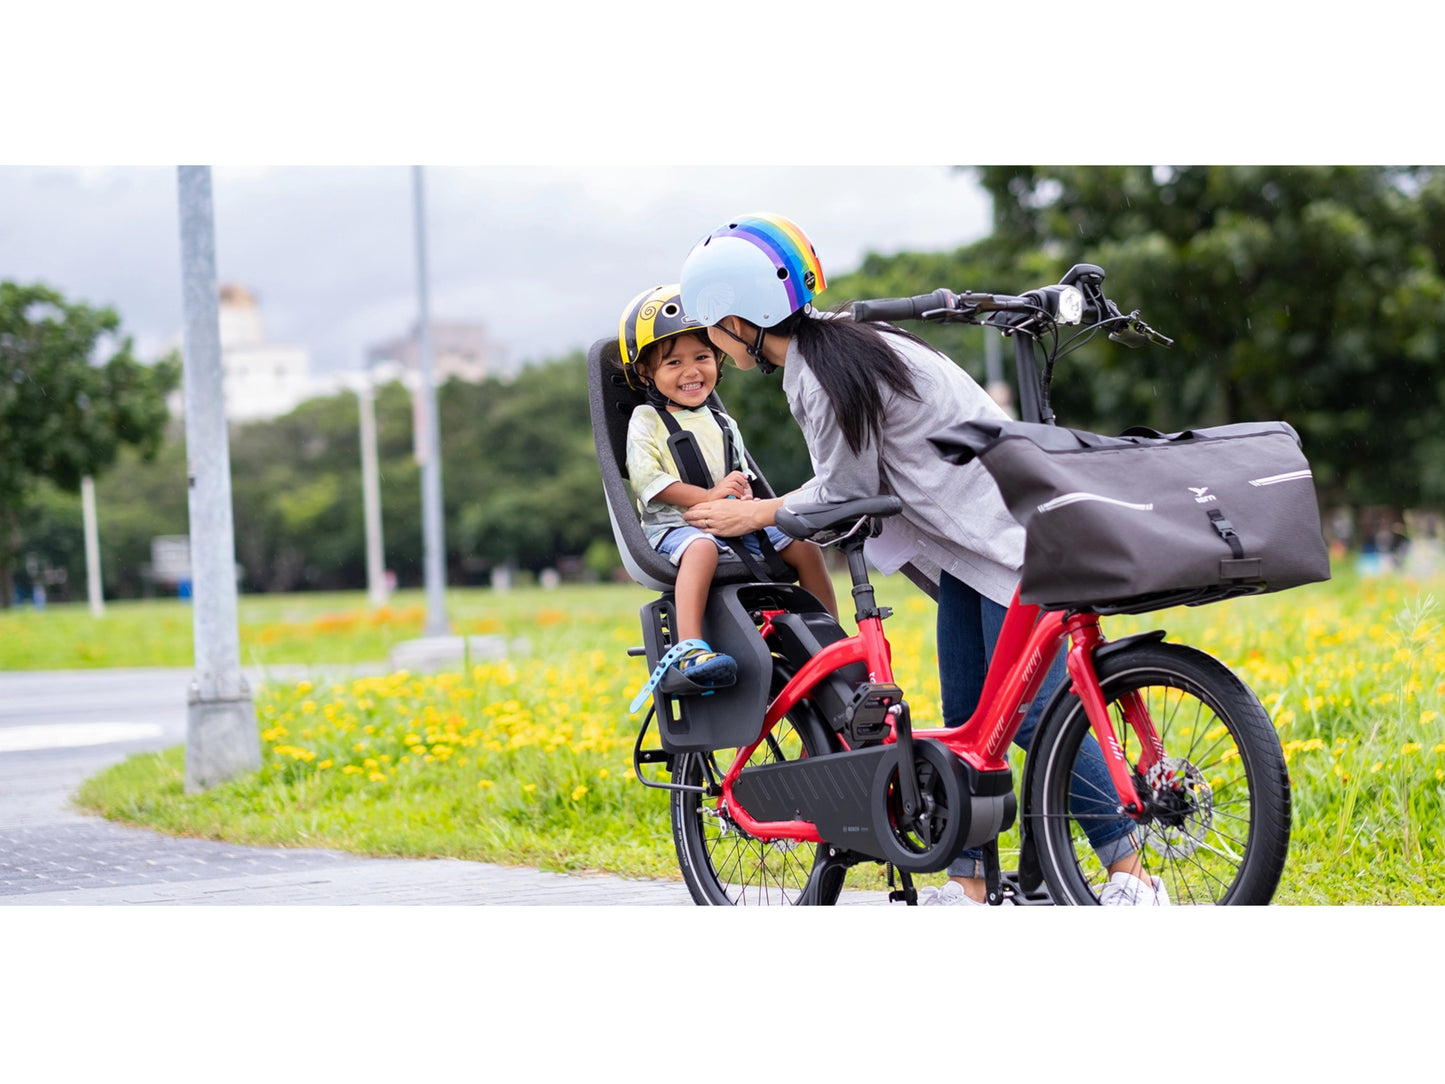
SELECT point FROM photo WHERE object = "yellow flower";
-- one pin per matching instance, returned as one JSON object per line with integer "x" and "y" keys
{"x": 1410, "y": 747}
{"x": 578, "y": 791}
{"x": 377, "y": 777}
{"x": 529, "y": 787}
{"x": 485, "y": 783}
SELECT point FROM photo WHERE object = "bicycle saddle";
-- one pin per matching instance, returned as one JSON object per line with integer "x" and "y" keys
{"x": 826, "y": 523}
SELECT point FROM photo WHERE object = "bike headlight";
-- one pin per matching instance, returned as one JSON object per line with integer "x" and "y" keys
{"x": 1071, "y": 306}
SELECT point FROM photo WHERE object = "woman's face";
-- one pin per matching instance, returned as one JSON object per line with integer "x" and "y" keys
{"x": 728, "y": 345}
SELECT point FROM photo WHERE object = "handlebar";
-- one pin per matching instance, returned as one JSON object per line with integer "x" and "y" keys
{"x": 1078, "y": 298}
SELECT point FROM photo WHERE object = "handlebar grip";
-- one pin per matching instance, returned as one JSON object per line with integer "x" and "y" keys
{"x": 902, "y": 308}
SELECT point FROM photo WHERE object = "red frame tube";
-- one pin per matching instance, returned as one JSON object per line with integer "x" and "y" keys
{"x": 1027, "y": 646}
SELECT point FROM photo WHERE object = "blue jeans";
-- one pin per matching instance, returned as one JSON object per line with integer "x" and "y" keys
{"x": 968, "y": 628}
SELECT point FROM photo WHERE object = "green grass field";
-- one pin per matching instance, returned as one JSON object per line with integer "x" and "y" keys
{"x": 528, "y": 760}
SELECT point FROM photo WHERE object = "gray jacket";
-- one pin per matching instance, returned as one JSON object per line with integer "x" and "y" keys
{"x": 953, "y": 517}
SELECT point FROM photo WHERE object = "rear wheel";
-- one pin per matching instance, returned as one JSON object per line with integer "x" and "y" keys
{"x": 723, "y": 865}
{"x": 1217, "y": 806}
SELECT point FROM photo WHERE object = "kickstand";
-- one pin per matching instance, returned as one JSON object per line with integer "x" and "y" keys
{"x": 991, "y": 873}
{"x": 908, "y": 894}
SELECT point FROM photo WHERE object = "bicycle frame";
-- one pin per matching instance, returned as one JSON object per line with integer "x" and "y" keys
{"x": 1027, "y": 645}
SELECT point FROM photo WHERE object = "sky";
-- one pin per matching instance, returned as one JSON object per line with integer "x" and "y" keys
{"x": 575, "y": 160}
{"x": 544, "y": 256}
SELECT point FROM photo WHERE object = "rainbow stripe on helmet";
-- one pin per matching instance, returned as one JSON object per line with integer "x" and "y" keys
{"x": 788, "y": 247}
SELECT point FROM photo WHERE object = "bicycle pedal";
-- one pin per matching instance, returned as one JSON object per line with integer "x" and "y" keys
{"x": 867, "y": 712}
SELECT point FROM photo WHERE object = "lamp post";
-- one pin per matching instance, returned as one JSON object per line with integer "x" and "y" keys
{"x": 221, "y": 736}
{"x": 429, "y": 446}
{"x": 376, "y": 592}
{"x": 93, "y": 587}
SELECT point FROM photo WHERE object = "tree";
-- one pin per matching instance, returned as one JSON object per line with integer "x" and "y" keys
{"x": 1312, "y": 294}
{"x": 72, "y": 394}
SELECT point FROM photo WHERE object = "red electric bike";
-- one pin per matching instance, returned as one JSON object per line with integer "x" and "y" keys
{"x": 810, "y": 764}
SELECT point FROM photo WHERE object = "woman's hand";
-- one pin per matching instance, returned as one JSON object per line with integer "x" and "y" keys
{"x": 729, "y": 518}
{"x": 734, "y": 485}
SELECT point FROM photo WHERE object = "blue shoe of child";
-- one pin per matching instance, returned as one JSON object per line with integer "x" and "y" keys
{"x": 701, "y": 669}
{"x": 690, "y": 666}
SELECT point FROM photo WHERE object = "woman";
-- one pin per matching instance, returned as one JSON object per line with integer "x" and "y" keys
{"x": 867, "y": 397}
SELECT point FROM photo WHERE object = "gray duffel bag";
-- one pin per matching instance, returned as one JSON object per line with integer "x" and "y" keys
{"x": 1146, "y": 520}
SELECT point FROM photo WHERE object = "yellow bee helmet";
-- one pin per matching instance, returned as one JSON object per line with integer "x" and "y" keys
{"x": 650, "y": 317}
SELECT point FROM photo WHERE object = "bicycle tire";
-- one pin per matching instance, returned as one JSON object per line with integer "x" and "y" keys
{"x": 1217, "y": 832}
{"x": 721, "y": 864}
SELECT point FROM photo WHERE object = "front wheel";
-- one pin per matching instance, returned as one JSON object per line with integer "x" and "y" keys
{"x": 1217, "y": 805}
{"x": 722, "y": 864}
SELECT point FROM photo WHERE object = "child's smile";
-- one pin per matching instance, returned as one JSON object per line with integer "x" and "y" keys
{"x": 687, "y": 371}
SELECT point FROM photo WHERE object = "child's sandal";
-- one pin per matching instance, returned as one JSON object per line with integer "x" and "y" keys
{"x": 700, "y": 670}
{"x": 688, "y": 667}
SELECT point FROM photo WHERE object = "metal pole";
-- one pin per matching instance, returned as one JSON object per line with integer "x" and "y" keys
{"x": 371, "y": 496}
{"x": 221, "y": 736}
{"x": 433, "y": 543}
{"x": 93, "y": 587}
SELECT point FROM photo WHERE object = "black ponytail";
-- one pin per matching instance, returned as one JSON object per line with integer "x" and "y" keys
{"x": 851, "y": 359}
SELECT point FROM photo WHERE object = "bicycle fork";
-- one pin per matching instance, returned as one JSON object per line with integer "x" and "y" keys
{"x": 1085, "y": 638}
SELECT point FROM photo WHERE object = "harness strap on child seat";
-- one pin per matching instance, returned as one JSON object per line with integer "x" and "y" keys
{"x": 692, "y": 468}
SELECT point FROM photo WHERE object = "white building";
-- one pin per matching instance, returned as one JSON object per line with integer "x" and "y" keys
{"x": 260, "y": 379}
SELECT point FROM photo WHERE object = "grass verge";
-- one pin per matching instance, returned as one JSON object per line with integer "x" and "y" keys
{"x": 528, "y": 760}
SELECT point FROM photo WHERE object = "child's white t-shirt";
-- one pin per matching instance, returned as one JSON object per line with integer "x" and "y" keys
{"x": 651, "y": 469}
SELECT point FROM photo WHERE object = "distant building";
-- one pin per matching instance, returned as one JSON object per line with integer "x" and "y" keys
{"x": 460, "y": 350}
{"x": 260, "y": 379}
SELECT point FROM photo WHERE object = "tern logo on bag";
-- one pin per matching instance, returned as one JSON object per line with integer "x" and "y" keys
{"x": 1202, "y": 494}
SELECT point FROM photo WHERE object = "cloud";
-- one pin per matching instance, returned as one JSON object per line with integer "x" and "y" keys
{"x": 545, "y": 257}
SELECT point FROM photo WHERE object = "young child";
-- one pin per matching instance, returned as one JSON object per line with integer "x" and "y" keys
{"x": 670, "y": 355}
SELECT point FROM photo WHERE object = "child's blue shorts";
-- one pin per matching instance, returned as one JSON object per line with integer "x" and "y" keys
{"x": 679, "y": 538}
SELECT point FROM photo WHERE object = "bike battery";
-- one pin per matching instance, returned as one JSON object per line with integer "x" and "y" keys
{"x": 800, "y": 636}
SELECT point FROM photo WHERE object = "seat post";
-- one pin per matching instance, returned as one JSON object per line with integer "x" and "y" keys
{"x": 863, "y": 598}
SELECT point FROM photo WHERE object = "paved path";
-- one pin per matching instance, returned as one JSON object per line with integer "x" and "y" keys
{"x": 57, "y": 729}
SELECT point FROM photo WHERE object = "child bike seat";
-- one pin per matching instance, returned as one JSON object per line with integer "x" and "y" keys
{"x": 611, "y": 402}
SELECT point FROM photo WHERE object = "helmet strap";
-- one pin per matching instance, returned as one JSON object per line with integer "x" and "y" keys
{"x": 755, "y": 351}
{"x": 656, "y": 399}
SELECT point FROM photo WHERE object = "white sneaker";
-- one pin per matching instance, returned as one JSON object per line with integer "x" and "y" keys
{"x": 1126, "y": 890}
{"x": 950, "y": 895}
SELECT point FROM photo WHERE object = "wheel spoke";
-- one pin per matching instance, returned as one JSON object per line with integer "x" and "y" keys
{"x": 722, "y": 864}
{"x": 1208, "y": 830}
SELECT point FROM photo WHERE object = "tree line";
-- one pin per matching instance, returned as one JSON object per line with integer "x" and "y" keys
{"x": 1311, "y": 294}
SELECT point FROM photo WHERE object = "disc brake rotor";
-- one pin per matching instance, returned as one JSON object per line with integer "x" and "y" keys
{"x": 1181, "y": 803}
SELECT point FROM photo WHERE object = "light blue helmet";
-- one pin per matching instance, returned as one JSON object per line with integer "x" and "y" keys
{"x": 760, "y": 267}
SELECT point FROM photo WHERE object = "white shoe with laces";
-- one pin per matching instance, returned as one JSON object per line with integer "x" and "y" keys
{"x": 950, "y": 895}
{"x": 1126, "y": 890}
